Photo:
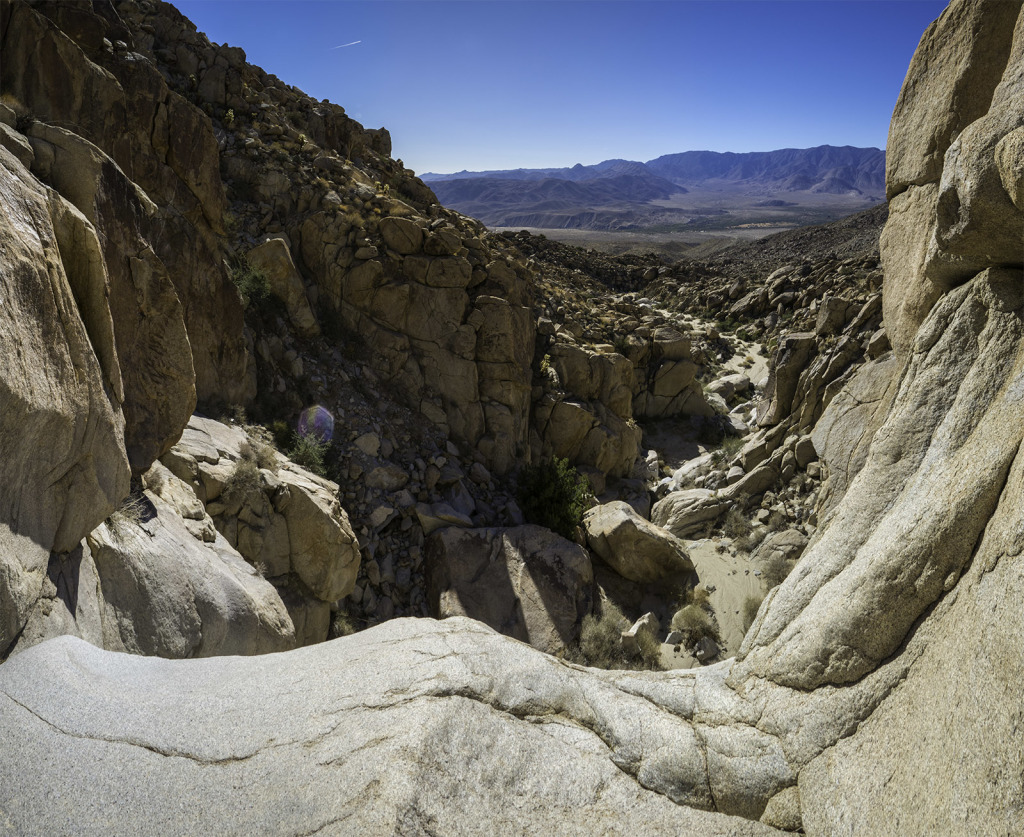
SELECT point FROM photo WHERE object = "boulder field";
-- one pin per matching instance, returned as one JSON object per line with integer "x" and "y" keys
{"x": 877, "y": 690}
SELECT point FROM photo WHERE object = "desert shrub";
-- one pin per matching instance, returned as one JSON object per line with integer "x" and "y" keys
{"x": 259, "y": 452}
{"x": 750, "y": 541}
{"x": 600, "y": 642}
{"x": 309, "y": 452}
{"x": 776, "y": 569}
{"x": 283, "y": 434}
{"x": 243, "y": 483}
{"x": 700, "y": 597}
{"x": 731, "y": 445}
{"x": 777, "y": 522}
{"x": 129, "y": 515}
{"x": 735, "y": 524}
{"x": 341, "y": 625}
{"x": 252, "y": 283}
{"x": 650, "y": 651}
{"x": 694, "y": 623}
{"x": 553, "y": 494}
{"x": 749, "y": 611}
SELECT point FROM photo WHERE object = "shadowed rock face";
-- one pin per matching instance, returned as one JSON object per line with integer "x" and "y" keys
{"x": 876, "y": 693}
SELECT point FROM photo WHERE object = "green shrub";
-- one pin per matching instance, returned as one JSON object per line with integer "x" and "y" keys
{"x": 259, "y": 452}
{"x": 309, "y": 452}
{"x": 650, "y": 651}
{"x": 252, "y": 283}
{"x": 341, "y": 625}
{"x": 731, "y": 445}
{"x": 751, "y": 541}
{"x": 700, "y": 597}
{"x": 283, "y": 434}
{"x": 553, "y": 494}
{"x": 129, "y": 515}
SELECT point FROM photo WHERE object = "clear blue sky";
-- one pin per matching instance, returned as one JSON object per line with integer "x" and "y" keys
{"x": 496, "y": 84}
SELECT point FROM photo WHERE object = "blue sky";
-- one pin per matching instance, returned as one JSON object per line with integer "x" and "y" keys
{"x": 495, "y": 84}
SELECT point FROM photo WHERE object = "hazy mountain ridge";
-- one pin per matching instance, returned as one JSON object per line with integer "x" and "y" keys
{"x": 506, "y": 198}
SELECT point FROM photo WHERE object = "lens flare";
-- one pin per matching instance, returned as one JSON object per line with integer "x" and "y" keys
{"x": 316, "y": 422}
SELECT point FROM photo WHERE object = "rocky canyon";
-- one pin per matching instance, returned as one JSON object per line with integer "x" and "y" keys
{"x": 327, "y": 510}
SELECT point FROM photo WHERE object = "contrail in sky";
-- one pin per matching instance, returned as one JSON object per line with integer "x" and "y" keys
{"x": 339, "y": 46}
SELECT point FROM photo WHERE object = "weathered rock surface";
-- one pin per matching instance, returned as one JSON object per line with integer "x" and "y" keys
{"x": 411, "y": 709}
{"x": 844, "y": 431}
{"x": 292, "y": 524}
{"x": 909, "y": 521}
{"x": 61, "y": 427}
{"x": 526, "y": 582}
{"x": 953, "y": 215}
{"x": 167, "y": 594}
{"x": 635, "y": 548}
{"x": 161, "y": 142}
{"x": 148, "y": 340}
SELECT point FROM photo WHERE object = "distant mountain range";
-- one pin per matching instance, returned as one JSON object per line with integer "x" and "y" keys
{"x": 621, "y": 193}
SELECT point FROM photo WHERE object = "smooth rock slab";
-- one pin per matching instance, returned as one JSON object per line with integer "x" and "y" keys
{"x": 414, "y": 727}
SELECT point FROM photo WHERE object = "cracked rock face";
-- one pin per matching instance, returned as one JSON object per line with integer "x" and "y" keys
{"x": 415, "y": 727}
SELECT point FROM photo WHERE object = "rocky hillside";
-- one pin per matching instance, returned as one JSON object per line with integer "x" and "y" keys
{"x": 263, "y": 390}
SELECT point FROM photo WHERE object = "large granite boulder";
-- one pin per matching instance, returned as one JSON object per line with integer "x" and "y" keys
{"x": 950, "y": 215}
{"x": 274, "y": 258}
{"x": 635, "y": 548}
{"x": 149, "y": 337}
{"x": 686, "y": 511}
{"x": 166, "y": 593}
{"x": 526, "y": 582}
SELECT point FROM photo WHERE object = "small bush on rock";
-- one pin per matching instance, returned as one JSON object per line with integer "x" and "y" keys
{"x": 259, "y": 452}
{"x": 750, "y": 541}
{"x": 129, "y": 515}
{"x": 776, "y": 570}
{"x": 736, "y": 525}
{"x": 243, "y": 484}
{"x": 341, "y": 625}
{"x": 309, "y": 452}
{"x": 253, "y": 284}
{"x": 553, "y": 494}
